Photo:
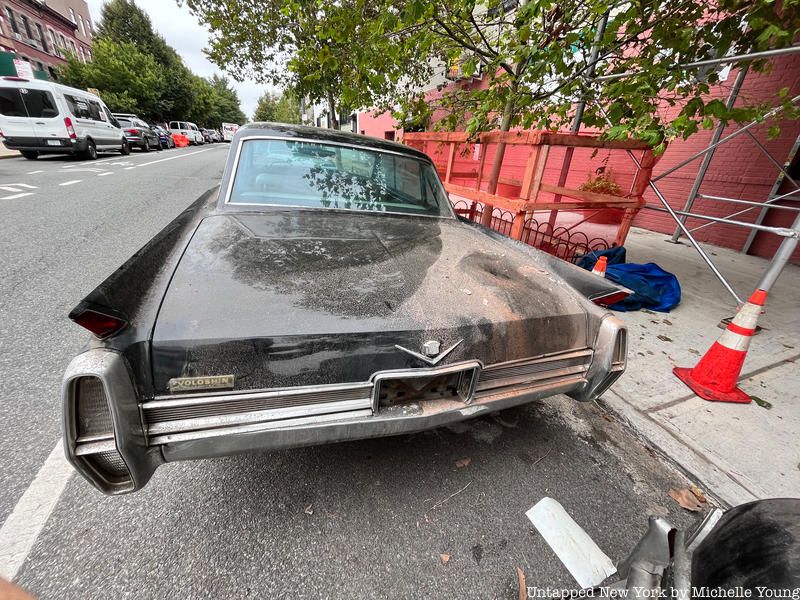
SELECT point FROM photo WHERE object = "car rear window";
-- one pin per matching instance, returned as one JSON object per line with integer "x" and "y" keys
{"x": 23, "y": 102}
{"x": 319, "y": 175}
{"x": 124, "y": 122}
{"x": 11, "y": 104}
{"x": 78, "y": 106}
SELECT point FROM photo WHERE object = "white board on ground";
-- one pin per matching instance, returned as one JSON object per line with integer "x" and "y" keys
{"x": 573, "y": 546}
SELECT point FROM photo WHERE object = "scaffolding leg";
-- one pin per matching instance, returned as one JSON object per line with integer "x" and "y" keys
{"x": 782, "y": 256}
{"x": 689, "y": 235}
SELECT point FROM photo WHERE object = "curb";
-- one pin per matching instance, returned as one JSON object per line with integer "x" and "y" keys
{"x": 15, "y": 155}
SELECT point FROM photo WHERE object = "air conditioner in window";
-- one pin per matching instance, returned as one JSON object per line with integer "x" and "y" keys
{"x": 17, "y": 36}
{"x": 31, "y": 42}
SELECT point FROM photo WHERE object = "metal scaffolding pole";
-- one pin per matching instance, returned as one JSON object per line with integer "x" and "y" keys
{"x": 736, "y": 133}
{"x": 763, "y": 213}
{"x": 782, "y": 256}
{"x": 701, "y": 173}
{"x": 725, "y": 60}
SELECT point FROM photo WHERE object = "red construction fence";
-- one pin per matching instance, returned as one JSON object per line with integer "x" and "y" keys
{"x": 528, "y": 204}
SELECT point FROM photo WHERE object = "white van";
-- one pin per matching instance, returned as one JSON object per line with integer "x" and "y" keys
{"x": 42, "y": 117}
{"x": 190, "y": 130}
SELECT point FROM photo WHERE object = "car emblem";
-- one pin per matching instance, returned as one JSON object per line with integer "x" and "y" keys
{"x": 431, "y": 355}
{"x": 208, "y": 382}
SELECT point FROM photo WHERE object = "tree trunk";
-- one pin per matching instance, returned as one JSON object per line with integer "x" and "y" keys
{"x": 497, "y": 163}
{"x": 334, "y": 120}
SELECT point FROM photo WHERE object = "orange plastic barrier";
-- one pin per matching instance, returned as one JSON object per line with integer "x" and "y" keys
{"x": 181, "y": 141}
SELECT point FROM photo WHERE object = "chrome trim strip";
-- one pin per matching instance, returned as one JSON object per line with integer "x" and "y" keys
{"x": 586, "y": 352}
{"x": 98, "y": 437}
{"x": 274, "y": 415}
{"x": 288, "y": 423}
{"x": 95, "y": 448}
{"x": 173, "y": 400}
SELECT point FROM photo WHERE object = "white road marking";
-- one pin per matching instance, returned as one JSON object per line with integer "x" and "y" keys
{"x": 106, "y": 173}
{"x": 24, "y": 185}
{"x": 12, "y": 197}
{"x": 129, "y": 168}
{"x": 35, "y": 172}
{"x": 8, "y": 188}
{"x": 152, "y": 162}
{"x": 70, "y": 182}
{"x": 13, "y": 187}
{"x": 26, "y": 521}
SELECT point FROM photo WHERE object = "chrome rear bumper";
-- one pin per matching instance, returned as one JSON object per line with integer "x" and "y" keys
{"x": 189, "y": 426}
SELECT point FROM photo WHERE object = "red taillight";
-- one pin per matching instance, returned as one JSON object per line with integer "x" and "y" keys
{"x": 100, "y": 324}
{"x": 70, "y": 128}
{"x": 611, "y": 298}
{"x": 132, "y": 131}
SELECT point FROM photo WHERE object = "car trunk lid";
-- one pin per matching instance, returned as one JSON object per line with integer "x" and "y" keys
{"x": 299, "y": 297}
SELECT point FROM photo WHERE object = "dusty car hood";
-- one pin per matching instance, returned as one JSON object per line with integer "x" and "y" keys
{"x": 298, "y": 297}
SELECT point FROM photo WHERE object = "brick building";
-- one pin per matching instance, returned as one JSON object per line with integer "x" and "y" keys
{"x": 42, "y": 34}
{"x": 738, "y": 170}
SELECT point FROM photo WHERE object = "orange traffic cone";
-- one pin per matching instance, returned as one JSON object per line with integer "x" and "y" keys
{"x": 600, "y": 266}
{"x": 714, "y": 377}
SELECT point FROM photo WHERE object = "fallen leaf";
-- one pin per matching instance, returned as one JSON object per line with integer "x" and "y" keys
{"x": 309, "y": 510}
{"x": 762, "y": 403}
{"x": 523, "y": 589}
{"x": 667, "y": 322}
{"x": 693, "y": 351}
{"x": 464, "y": 462}
{"x": 686, "y": 499}
{"x": 698, "y": 493}
{"x": 664, "y": 338}
{"x": 445, "y": 558}
{"x": 608, "y": 418}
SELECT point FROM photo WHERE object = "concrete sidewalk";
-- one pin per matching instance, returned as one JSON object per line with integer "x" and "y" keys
{"x": 6, "y": 153}
{"x": 736, "y": 452}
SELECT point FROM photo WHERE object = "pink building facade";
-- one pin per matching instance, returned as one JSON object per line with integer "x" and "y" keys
{"x": 738, "y": 169}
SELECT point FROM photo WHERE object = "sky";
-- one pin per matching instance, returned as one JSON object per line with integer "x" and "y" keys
{"x": 188, "y": 37}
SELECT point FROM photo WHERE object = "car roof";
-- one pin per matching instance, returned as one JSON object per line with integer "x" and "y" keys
{"x": 40, "y": 84}
{"x": 324, "y": 135}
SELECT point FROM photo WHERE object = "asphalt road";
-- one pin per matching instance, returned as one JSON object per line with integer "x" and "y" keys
{"x": 357, "y": 520}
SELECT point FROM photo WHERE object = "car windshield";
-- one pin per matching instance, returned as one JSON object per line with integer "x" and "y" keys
{"x": 319, "y": 175}
{"x": 124, "y": 122}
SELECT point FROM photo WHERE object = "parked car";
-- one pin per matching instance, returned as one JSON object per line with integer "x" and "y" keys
{"x": 164, "y": 136}
{"x": 216, "y": 135}
{"x": 326, "y": 291}
{"x": 207, "y": 138}
{"x": 41, "y": 117}
{"x": 190, "y": 130}
{"x": 140, "y": 134}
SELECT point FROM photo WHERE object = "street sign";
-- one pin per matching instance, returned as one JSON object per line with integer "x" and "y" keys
{"x": 24, "y": 68}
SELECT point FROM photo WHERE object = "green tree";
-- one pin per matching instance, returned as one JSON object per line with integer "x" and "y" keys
{"x": 266, "y": 107}
{"x": 536, "y": 55}
{"x": 279, "y": 108}
{"x": 128, "y": 79}
{"x": 319, "y": 49}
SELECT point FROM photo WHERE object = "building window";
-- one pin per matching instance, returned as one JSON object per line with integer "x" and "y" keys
{"x": 63, "y": 41}
{"x": 27, "y": 25}
{"x": 42, "y": 38}
{"x": 72, "y": 15}
{"x": 12, "y": 20}
{"x": 83, "y": 56}
{"x": 55, "y": 42}
{"x": 73, "y": 48}
{"x": 83, "y": 28}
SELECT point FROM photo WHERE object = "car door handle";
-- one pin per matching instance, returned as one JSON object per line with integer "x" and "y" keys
{"x": 40, "y": 123}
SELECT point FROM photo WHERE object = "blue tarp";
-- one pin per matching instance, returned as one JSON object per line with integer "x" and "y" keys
{"x": 653, "y": 287}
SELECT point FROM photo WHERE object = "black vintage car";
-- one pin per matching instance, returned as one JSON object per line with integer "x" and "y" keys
{"x": 324, "y": 292}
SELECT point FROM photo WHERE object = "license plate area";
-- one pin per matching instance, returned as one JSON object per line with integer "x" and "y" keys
{"x": 414, "y": 386}
{"x": 53, "y": 142}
